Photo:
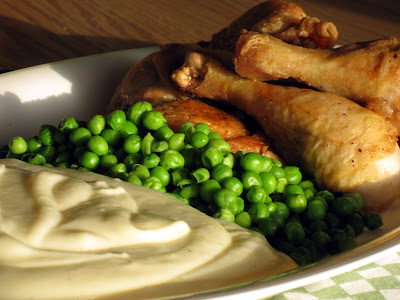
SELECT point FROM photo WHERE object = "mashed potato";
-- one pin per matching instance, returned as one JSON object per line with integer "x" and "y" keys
{"x": 68, "y": 234}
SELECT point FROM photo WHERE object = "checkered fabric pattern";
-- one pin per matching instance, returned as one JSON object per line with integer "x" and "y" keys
{"x": 376, "y": 281}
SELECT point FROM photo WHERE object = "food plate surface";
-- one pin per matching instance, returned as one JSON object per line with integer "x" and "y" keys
{"x": 82, "y": 87}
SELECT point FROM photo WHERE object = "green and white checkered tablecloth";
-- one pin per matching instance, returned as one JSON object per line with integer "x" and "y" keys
{"x": 375, "y": 281}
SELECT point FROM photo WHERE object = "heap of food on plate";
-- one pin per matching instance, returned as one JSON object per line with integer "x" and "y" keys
{"x": 347, "y": 147}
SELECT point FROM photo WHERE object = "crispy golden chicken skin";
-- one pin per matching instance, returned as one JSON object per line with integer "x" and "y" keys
{"x": 367, "y": 73}
{"x": 284, "y": 20}
{"x": 345, "y": 146}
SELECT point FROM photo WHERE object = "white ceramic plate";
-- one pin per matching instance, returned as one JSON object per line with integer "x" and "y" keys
{"x": 82, "y": 87}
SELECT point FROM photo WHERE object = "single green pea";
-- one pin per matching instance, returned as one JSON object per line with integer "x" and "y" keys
{"x": 47, "y": 165}
{"x": 214, "y": 135}
{"x": 64, "y": 157}
{"x": 108, "y": 161}
{"x": 318, "y": 225}
{"x": 256, "y": 194}
{"x": 188, "y": 129}
{"x": 316, "y": 210}
{"x": 269, "y": 226}
{"x": 321, "y": 239}
{"x": 34, "y": 144}
{"x": 332, "y": 220}
{"x": 97, "y": 144}
{"x": 268, "y": 182}
{"x": 258, "y": 211}
{"x": 372, "y": 220}
{"x": 162, "y": 174}
{"x": 89, "y": 160}
{"x": 309, "y": 194}
{"x": 132, "y": 178}
{"x": 128, "y": 128}
{"x": 225, "y": 214}
{"x": 77, "y": 152}
{"x": 111, "y": 136}
{"x": 67, "y": 165}
{"x": 271, "y": 206}
{"x": 163, "y": 133}
{"x": 96, "y": 124}
{"x": 322, "y": 200}
{"x": 177, "y": 142}
{"x": 136, "y": 111}
{"x": 116, "y": 119}
{"x": 225, "y": 198}
{"x": 17, "y": 145}
{"x": 59, "y": 137}
{"x": 221, "y": 172}
{"x": 37, "y": 159}
{"x": 292, "y": 189}
{"x": 294, "y": 231}
{"x": 250, "y": 178}
{"x": 243, "y": 219}
{"x": 151, "y": 161}
{"x": 201, "y": 175}
{"x": 50, "y": 153}
{"x": 153, "y": 183}
{"x": 327, "y": 195}
{"x": 346, "y": 243}
{"x": 278, "y": 172}
{"x": 349, "y": 231}
{"x": 68, "y": 124}
{"x": 356, "y": 200}
{"x": 281, "y": 184}
{"x": 132, "y": 144}
{"x": 159, "y": 146}
{"x": 190, "y": 191}
{"x": 147, "y": 143}
{"x": 296, "y": 203}
{"x": 281, "y": 210}
{"x": 199, "y": 139}
{"x": 132, "y": 159}
{"x": 221, "y": 145}
{"x": 211, "y": 157}
{"x": 80, "y": 136}
{"x": 117, "y": 169}
{"x": 252, "y": 162}
{"x": 267, "y": 164}
{"x": 153, "y": 120}
{"x": 208, "y": 189}
{"x": 234, "y": 184}
{"x": 307, "y": 184}
{"x": 140, "y": 171}
{"x": 301, "y": 255}
{"x": 202, "y": 127}
{"x": 171, "y": 160}
{"x": 229, "y": 160}
{"x": 277, "y": 218}
{"x": 342, "y": 206}
{"x": 293, "y": 174}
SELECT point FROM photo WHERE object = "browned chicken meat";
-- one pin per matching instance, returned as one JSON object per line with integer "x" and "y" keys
{"x": 149, "y": 80}
{"x": 345, "y": 146}
{"x": 284, "y": 20}
{"x": 367, "y": 73}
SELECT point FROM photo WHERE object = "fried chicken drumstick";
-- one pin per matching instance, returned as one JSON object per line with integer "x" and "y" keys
{"x": 149, "y": 80}
{"x": 367, "y": 73}
{"x": 346, "y": 147}
{"x": 284, "y": 20}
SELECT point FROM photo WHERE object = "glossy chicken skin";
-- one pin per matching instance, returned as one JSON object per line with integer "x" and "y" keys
{"x": 367, "y": 73}
{"x": 149, "y": 80}
{"x": 284, "y": 20}
{"x": 345, "y": 146}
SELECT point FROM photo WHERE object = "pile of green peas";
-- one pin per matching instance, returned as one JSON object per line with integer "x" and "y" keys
{"x": 196, "y": 166}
